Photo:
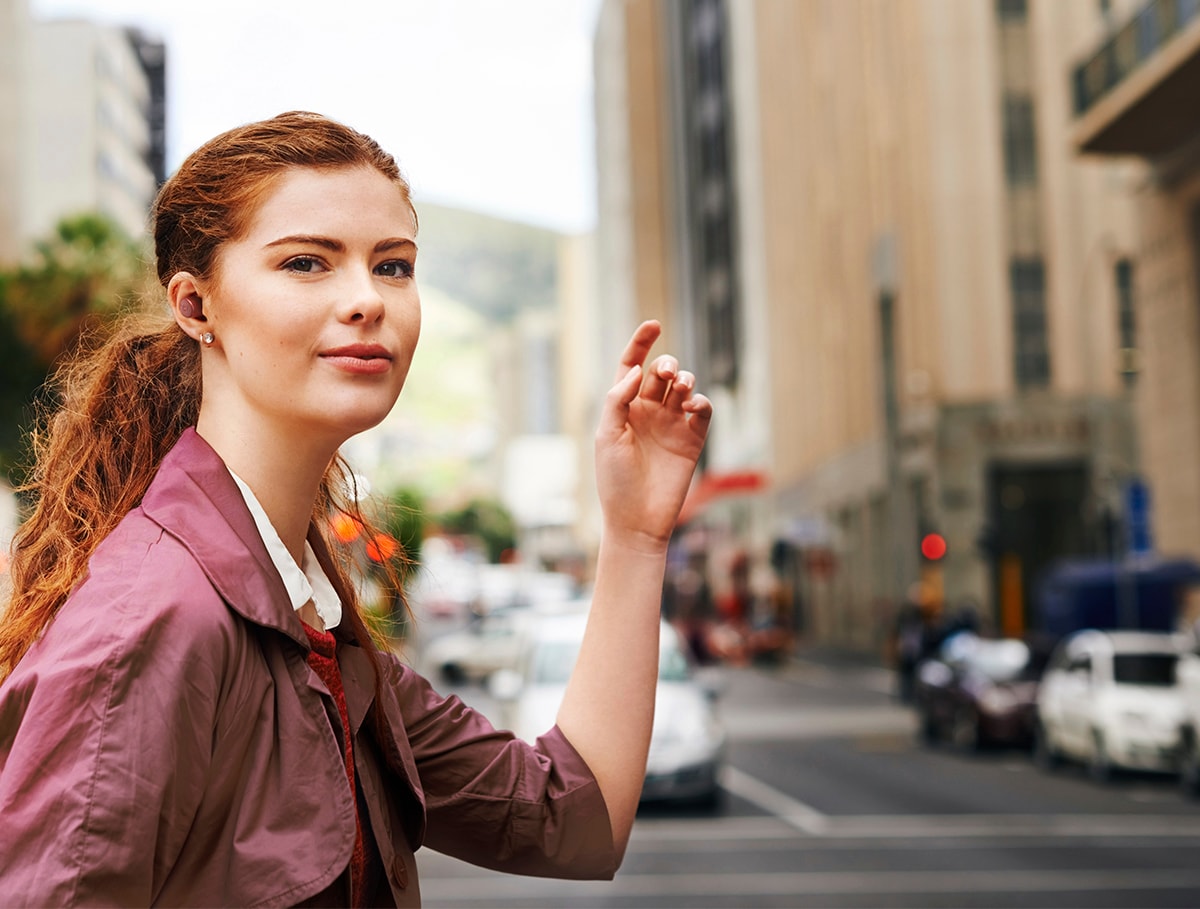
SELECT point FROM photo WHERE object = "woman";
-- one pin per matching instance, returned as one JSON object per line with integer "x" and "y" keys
{"x": 194, "y": 712}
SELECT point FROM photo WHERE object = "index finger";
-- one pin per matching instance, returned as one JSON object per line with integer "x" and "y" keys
{"x": 638, "y": 348}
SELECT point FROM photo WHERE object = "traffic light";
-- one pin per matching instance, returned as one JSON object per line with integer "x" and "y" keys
{"x": 933, "y": 546}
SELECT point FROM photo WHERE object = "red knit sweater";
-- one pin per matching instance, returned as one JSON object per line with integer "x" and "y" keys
{"x": 323, "y": 660}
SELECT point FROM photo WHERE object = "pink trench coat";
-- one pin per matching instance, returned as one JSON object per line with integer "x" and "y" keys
{"x": 165, "y": 742}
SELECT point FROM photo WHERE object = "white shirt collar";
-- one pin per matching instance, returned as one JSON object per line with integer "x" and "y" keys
{"x": 303, "y": 582}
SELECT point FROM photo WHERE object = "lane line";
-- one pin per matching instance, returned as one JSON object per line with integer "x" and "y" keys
{"x": 779, "y": 804}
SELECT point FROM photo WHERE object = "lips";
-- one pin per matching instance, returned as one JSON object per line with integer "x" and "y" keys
{"x": 358, "y": 352}
{"x": 359, "y": 359}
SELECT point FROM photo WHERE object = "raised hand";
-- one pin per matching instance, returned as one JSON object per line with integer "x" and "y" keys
{"x": 651, "y": 431}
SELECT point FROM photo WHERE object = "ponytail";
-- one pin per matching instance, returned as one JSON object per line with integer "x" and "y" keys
{"x": 120, "y": 409}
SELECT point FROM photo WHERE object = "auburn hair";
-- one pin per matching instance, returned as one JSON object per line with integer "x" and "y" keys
{"x": 121, "y": 405}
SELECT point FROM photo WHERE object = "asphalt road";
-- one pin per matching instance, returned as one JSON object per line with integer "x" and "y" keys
{"x": 831, "y": 802}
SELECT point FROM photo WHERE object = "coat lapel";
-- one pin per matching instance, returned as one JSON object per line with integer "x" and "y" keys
{"x": 194, "y": 498}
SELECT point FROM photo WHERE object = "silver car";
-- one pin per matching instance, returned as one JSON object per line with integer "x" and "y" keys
{"x": 688, "y": 743}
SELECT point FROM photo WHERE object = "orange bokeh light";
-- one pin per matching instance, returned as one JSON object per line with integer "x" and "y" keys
{"x": 381, "y": 547}
{"x": 345, "y": 528}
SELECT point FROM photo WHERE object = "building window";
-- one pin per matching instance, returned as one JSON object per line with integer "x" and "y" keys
{"x": 710, "y": 186}
{"x": 1011, "y": 10}
{"x": 1020, "y": 140}
{"x": 1031, "y": 351}
{"x": 1126, "y": 321}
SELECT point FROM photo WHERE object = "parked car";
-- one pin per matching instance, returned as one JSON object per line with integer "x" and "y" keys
{"x": 488, "y": 643}
{"x": 688, "y": 742}
{"x": 977, "y": 692}
{"x": 1110, "y": 699}
{"x": 1187, "y": 673}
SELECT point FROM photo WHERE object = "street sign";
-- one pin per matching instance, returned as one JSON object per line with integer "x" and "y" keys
{"x": 1139, "y": 540}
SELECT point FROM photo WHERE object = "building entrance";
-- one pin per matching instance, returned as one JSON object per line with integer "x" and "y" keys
{"x": 1037, "y": 515}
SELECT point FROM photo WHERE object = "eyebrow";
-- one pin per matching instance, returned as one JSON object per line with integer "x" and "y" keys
{"x": 337, "y": 245}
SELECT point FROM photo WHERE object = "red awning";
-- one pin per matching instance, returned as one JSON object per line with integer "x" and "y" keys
{"x": 713, "y": 485}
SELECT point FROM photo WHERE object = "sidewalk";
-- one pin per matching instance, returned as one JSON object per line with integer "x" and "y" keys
{"x": 836, "y": 657}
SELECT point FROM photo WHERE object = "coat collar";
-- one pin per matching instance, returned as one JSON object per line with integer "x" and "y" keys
{"x": 194, "y": 498}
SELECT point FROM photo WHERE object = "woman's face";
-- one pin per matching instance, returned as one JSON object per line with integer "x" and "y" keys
{"x": 314, "y": 311}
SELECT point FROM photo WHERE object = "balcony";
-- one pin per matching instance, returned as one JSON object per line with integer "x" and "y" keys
{"x": 1139, "y": 94}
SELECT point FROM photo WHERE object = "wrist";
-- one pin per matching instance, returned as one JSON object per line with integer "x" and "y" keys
{"x": 635, "y": 542}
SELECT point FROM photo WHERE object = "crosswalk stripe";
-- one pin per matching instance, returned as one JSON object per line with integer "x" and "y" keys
{"x": 864, "y": 882}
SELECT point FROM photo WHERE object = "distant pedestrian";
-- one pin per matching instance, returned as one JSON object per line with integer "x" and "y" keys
{"x": 192, "y": 710}
{"x": 910, "y": 640}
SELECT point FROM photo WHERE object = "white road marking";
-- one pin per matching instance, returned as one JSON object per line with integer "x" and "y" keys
{"x": 793, "y": 724}
{"x": 809, "y": 820}
{"x": 867, "y": 882}
{"x": 795, "y": 813}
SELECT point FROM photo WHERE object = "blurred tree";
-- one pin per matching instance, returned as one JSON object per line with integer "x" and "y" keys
{"x": 77, "y": 281}
{"x": 406, "y": 518}
{"x": 394, "y": 551}
{"x": 488, "y": 521}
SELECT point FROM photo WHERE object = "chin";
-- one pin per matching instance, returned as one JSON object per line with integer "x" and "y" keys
{"x": 352, "y": 423}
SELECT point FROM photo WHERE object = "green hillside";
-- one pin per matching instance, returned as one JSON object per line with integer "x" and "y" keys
{"x": 494, "y": 266}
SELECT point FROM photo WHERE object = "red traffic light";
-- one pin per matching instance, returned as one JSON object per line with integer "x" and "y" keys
{"x": 933, "y": 546}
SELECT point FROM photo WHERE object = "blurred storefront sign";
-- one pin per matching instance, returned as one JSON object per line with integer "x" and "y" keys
{"x": 715, "y": 485}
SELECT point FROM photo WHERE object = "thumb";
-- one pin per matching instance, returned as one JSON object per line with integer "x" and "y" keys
{"x": 615, "y": 414}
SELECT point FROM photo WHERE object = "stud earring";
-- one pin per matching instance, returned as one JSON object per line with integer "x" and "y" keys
{"x": 207, "y": 338}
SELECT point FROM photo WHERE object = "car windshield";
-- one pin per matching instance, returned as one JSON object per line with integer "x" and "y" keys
{"x": 673, "y": 665}
{"x": 1000, "y": 661}
{"x": 1156, "y": 669}
{"x": 554, "y": 660}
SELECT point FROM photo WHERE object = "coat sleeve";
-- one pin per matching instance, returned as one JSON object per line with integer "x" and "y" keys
{"x": 106, "y": 729}
{"x": 497, "y": 801}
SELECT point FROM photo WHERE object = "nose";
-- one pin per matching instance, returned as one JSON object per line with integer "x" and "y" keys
{"x": 362, "y": 301}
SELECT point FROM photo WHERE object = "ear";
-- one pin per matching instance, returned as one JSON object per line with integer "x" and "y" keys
{"x": 187, "y": 303}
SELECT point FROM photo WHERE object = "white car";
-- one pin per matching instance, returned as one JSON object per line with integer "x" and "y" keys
{"x": 688, "y": 742}
{"x": 1188, "y": 674}
{"x": 488, "y": 643}
{"x": 1110, "y": 699}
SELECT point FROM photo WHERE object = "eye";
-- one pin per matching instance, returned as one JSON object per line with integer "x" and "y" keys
{"x": 303, "y": 264}
{"x": 395, "y": 268}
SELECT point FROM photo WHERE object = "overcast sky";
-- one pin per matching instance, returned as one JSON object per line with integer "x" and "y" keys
{"x": 487, "y": 104}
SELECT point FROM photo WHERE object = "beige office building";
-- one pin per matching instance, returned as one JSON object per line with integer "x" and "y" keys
{"x": 1138, "y": 97}
{"x": 912, "y": 301}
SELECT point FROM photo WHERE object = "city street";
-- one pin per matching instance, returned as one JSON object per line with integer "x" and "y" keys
{"x": 829, "y": 801}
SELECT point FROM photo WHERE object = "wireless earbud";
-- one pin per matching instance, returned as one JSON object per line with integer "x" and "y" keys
{"x": 189, "y": 307}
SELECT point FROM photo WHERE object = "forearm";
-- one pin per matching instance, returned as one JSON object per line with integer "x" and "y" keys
{"x": 608, "y": 709}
